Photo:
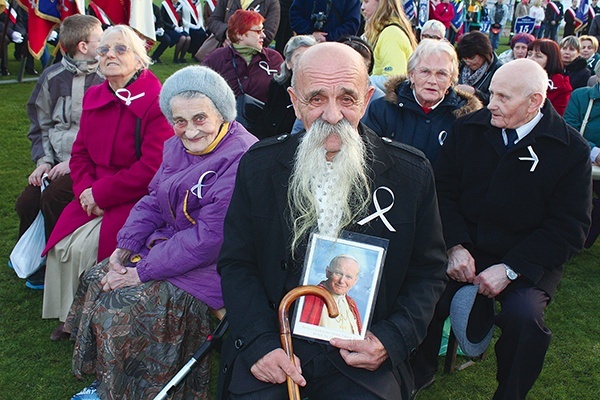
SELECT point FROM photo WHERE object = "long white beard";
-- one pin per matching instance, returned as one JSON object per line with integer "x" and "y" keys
{"x": 328, "y": 195}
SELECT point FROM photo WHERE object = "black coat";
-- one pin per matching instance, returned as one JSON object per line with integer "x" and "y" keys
{"x": 595, "y": 27}
{"x": 399, "y": 116}
{"x": 278, "y": 116}
{"x": 578, "y": 73}
{"x": 492, "y": 204}
{"x": 257, "y": 268}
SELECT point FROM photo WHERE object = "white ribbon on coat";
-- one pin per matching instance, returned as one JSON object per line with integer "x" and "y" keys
{"x": 379, "y": 212}
{"x": 129, "y": 98}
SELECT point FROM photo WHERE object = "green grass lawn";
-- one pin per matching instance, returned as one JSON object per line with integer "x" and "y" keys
{"x": 33, "y": 367}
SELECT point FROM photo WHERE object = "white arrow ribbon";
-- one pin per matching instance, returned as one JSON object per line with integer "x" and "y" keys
{"x": 197, "y": 188}
{"x": 533, "y": 158}
{"x": 129, "y": 98}
{"x": 379, "y": 212}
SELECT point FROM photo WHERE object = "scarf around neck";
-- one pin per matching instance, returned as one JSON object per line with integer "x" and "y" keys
{"x": 246, "y": 52}
{"x": 470, "y": 78}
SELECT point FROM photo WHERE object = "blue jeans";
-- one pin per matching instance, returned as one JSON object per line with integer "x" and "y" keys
{"x": 550, "y": 31}
{"x": 495, "y": 39}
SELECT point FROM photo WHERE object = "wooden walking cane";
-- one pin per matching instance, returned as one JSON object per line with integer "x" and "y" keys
{"x": 284, "y": 323}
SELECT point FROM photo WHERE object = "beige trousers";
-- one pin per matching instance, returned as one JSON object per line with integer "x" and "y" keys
{"x": 66, "y": 262}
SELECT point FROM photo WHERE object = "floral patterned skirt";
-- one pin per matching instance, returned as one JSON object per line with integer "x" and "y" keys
{"x": 135, "y": 339}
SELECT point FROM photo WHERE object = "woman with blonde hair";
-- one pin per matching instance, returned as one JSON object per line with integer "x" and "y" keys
{"x": 390, "y": 35}
{"x": 116, "y": 152}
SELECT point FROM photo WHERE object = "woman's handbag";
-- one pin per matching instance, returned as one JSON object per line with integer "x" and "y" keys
{"x": 248, "y": 107}
{"x": 26, "y": 257}
{"x": 210, "y": 44}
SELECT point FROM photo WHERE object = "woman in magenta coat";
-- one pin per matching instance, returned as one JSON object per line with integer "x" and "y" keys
{"x": 117, "y": 151}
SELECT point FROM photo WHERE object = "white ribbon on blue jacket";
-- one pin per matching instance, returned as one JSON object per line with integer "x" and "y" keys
{"x": 379, "y": 212}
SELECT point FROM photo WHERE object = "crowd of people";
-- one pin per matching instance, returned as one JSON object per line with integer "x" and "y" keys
{"x": 170, "y": 204}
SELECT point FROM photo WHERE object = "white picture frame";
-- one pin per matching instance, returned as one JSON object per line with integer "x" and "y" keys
{"x": 369, "y": 253}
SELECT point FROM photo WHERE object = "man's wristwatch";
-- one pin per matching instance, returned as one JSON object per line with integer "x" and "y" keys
{"x": 510, "y": 273}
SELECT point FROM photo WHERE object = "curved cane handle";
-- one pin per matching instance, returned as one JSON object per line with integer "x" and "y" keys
{"x": 284, "y": 323}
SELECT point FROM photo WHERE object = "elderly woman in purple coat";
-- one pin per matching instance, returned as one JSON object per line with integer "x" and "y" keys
{"x": 140, "y": 315}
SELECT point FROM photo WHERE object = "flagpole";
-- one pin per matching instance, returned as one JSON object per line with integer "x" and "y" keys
{"x": 24, "y": 53}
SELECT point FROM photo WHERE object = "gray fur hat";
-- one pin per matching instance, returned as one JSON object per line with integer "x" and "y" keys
{"x": 202, "y": 80}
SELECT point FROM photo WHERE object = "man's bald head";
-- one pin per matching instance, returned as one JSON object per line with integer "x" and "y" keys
{"x": 517, "y": 93}
{"x": 331, "y": 56}
{"x": 525, "y": 75}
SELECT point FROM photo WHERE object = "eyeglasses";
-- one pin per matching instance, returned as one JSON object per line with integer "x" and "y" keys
{"x": 434, "y": 37}
{"x": 257, "y": 31}
{"x": 469, "y": 59}
{"x": 440, "y": 75}
{"x": 119, "y": 49}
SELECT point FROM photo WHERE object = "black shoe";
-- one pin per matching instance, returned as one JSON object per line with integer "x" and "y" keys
{"x": 31, "y": 71}
{"x": 59, "y": 334}
{"x": 182, "y": 61}
{"x": 419, "y": 387}
{"x": 156, "y": 61}
{"x": 4, "y": 72}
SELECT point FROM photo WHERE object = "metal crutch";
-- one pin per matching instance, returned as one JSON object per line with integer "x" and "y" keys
{"x": 202, "y": 351}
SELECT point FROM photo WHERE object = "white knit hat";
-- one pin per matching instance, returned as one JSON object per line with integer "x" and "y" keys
{"x": 203, "y": 80}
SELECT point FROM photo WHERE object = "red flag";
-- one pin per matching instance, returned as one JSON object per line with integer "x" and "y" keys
{"x": 38, "y": 28}
{"x": 116, "y": 10}
{"x": 100, "y": 14}
{"x": 67, "y": 8}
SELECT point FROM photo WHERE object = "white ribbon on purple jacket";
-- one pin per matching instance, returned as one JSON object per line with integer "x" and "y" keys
{"x": 129, "y": 98}
{"x": 265, "y": 66}
{"x": 197, "y": 188}
{"x": 379, "y": 212}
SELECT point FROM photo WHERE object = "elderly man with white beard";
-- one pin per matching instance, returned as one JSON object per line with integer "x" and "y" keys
{"x": 327, "y": 180}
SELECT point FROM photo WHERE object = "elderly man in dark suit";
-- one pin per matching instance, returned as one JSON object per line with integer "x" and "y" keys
{"x": 514, "y": 186}
{"x": 282, "y": 195}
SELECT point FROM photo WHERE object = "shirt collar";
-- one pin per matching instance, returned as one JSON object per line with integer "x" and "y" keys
{"x": 524, "y": 130}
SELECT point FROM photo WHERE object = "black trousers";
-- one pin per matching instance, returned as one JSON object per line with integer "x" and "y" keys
{"x": 325, "y": 382}
{"x": 520, "y": 350}
{"x": 52, "y": 202}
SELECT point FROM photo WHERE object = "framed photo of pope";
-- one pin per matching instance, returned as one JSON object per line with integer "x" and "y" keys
{"x": 349, "y": 268}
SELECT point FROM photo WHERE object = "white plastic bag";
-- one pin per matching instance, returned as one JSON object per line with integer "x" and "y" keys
{"x": 26, "y": 257}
